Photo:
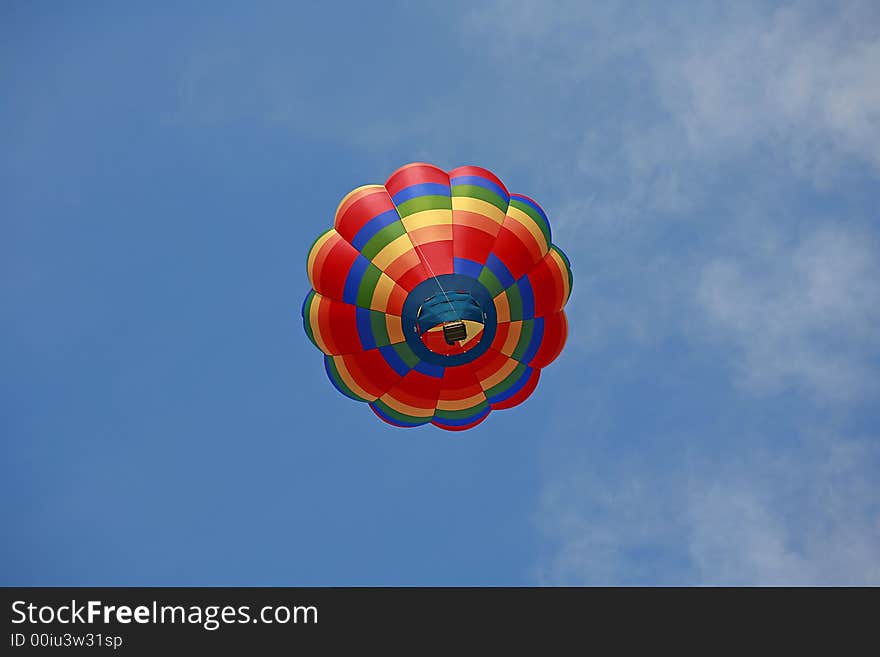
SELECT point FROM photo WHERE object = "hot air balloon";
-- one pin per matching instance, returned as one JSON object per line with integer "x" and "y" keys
{"x": 437, "y": 297}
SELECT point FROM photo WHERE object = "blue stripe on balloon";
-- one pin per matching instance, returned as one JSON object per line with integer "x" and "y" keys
{"x": 494, "y": 264}
{"x": 537, "y": 338}
{"x": 430, "y": 369}
{"x": 327, "y": 360}
{"x": 422, "y": 189}
{"x": 467, "y": 267}
{"x": 365, "y": 328}
{"x": 394, "y": 360}
{"x": 512, "y": 390}
{"x": 459, "y": 422}
{"x": 305, "y": 303}
{"x": 393, "y": 420}
{"x": 353, "y": 281}
{"x": 531, "y": 204}
{"x": 373, "y": 226}
{"x": 479, "y": 181}
{"x": 528, "y": 298}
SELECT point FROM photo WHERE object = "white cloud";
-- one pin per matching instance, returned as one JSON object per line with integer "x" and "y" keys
{"x": 809, "y": 516}
{"x": 810, "y": 519}
{"x": 803, "y": 315}
{"x": 797, "y": 77}
{"x": 794, "y": 80}
{"x": 704, "y": 157}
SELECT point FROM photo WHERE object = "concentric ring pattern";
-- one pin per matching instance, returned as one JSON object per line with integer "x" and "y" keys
{"x": 423, "y": 246}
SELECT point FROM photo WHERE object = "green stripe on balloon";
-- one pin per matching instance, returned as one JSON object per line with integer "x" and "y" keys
{"x": 368, "y": 286}
{"x": 379, "y": 328}
{"x": 567, "y": 265}
{"x": 507, "y": 383}
{"x": 537, "y": 218}
{"x": 475, "y": 191}
{"x": 337, "y": 380}
{"x": 422, "y": 203}
{"x": 525, "y": 338}
{"x": 382, "y": 239}
{"x": 406, "y": 354}
{"x": 462, "y": 414}
{"x": 307, "y": 324}
{"x": 514, "y": 302}
{"x": 490, "y": 282}
{"x": 397, "y": 415}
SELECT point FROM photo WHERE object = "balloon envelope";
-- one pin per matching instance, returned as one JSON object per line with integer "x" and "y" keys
{"x": 437, "y": 297}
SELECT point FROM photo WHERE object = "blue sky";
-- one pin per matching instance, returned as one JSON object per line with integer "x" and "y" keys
{"x": 711, "y": 171}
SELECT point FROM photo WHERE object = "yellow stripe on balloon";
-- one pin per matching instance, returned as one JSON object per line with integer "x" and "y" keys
{"x": 512, "y": 340}
{"x": 315, "y": 324}
{"x": 382, "y": 292}
{"x": 563, "y": 271}
{"x": 406, "y": 409}
{"x": 427, "y": 218}
{"x": 313, "y": 254}
{"x": 502, "y": 308}
{"x": 460, "y": 404}
{"x": 349, "y": 380}
{"x": 478, "y": 206}
{"x": 394, "y": 327}
{"x": 499, "y": 376}
{"x": 393, "y": 251}
{"x": 530, "y": 225}
{"x": 357, "y": 191}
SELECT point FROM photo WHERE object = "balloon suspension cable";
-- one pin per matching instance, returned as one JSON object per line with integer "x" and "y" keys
{"x": 436, "y": 280}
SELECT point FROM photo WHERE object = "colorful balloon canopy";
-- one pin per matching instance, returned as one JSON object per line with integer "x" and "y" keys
{"x": 437, "y": 297}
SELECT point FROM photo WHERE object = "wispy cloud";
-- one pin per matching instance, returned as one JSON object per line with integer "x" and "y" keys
{"x": 794, "y": 79}
{"x": 806, "y": 515}
{"x": 707, "y": 187}
{"x": 805, "y": 519}
{"x": 802, "y": 315}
